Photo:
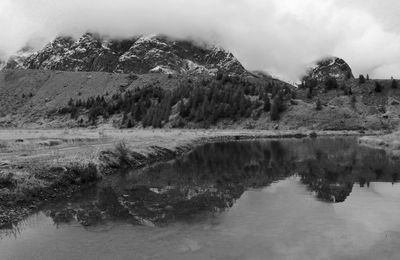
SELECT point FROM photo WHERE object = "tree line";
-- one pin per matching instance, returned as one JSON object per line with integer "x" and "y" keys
{"x": 203, "y": 102}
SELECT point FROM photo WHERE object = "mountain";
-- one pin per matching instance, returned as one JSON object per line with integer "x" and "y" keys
{"x": 330, "y": 67}
{"x": 140, "y": 54}
{"x": 17, "y": 60}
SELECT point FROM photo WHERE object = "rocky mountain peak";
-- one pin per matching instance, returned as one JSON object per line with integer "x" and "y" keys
{"x": 139, "y": 54}
{"x": 330, "y": 67}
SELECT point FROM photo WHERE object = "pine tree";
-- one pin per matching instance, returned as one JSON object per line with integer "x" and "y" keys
{"x": 267, "y": 104}
{"x": 275, "y": 109}
{"x": 378, "y": 87}
{"x": 275, "y": 90}
{"x": 361, "y": 79}
{"x": 394, "y": 83}
{"x": 309, "y": 93}
{"x": 318, "y": 105}
{"x": 124, "y": 118}
{"x": 129, "y": 125}
{"x": 181, "y": 109}
{"x": 353, "y": 99}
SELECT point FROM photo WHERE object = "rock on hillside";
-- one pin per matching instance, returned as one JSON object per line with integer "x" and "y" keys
{"x": 331, "y": 67}
{"x": 142, "y": 54}
{"x": 2, "y": 64}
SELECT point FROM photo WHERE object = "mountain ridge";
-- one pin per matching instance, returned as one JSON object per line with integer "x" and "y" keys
{"x": 329, "y": 67}
{"x": 138, "y": 54}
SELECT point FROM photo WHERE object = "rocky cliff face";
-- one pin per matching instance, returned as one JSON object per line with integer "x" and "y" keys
{"x": 142, "y": 54}
{"x": 331, "y": 67}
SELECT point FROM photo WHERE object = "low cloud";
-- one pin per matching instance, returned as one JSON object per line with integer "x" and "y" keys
{"x": 278, "y": 36}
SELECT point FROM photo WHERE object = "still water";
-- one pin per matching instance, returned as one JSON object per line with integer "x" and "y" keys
{"x": 324, "y": 198}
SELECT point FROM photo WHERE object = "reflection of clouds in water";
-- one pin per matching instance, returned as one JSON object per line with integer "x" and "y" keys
{"x": 386, "y": 190}
{"x": 274, "y": 187}
{"x": 286, "y": 220}
{"x": 26, "y": 226}
{"x": 372, "y": 217}
{"x": 375, "y": 208}
{"x": 188, "y": 245}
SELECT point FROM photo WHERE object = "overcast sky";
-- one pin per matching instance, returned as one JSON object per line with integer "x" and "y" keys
{"x": 278, "y": 36}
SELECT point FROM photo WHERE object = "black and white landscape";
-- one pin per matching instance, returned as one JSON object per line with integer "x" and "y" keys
{"x": 199, "y": 129}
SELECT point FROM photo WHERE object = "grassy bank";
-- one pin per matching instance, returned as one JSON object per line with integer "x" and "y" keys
{"x": 389, "y": 142}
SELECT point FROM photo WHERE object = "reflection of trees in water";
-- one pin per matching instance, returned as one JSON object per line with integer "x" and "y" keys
{"x": 213, "y": 176}
{"x": 332, "y": 175}
{"x": 223, "y": 164}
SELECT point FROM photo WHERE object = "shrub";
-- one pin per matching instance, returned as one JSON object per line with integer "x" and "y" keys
{"x": 81, "y": 174}
{"x": 353, "y": 99}
{"x": 122, "y": 152}
{"x": 133, "y": 76}
{"x": 7, "y": 180}
{"x": 318, "y": 105}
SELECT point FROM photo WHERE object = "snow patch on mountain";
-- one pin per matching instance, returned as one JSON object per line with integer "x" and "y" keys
{"x": 162, "y": 69}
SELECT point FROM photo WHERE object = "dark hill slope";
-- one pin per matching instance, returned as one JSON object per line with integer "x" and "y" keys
{"x": 30, "y": 95}
{"x": 351, "y": 105}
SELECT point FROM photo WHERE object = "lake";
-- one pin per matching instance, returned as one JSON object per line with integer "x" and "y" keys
{"x": 323, "y": 198}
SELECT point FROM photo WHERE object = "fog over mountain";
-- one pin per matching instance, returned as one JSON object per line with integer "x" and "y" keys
{"x": 278, "y": 36}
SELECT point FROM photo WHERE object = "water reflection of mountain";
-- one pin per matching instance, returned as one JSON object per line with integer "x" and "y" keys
{"x": 213, "y": 176}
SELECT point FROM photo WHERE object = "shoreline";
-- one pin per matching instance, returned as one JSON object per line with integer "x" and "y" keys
{"x": 390, "y": 143}
{"x": 46, "y": 179}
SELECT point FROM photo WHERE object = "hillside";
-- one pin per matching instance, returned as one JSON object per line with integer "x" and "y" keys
{"x": 29, "y": 97}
